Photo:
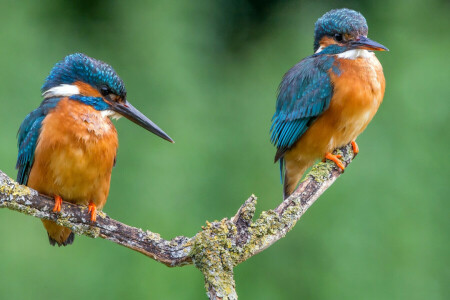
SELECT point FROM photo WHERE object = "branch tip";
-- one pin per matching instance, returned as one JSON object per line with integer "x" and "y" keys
{"x": 215, "y": 250}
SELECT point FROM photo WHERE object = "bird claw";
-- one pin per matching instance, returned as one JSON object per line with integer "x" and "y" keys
{"x": 92, "y": 211}
{"x": 335, "y": 159}
{"x": 58, "y": 204}
{"x": 355, "y": 147}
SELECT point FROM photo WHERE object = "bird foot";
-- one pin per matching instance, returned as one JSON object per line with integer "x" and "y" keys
{"x": 93, "y": 211}
{"x": 355, "y": 147}
{"x": 58, "y": 204}
{"x": 336, "y": 160}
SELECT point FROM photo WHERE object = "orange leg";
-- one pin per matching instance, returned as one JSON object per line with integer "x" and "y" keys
{"x": 355, "y": 147}
{"x": 58, "y": 203}
{"x": 93, "y": 211}
{"x": 336, "y": 160}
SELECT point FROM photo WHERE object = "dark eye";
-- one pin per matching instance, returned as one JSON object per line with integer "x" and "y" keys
{"x": 104, "y": 90}
{"x": 338, "y": 37}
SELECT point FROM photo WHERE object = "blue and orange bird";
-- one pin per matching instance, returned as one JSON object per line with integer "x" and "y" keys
{"x": 327, "y": 99}
{"x": 68, "y": 145}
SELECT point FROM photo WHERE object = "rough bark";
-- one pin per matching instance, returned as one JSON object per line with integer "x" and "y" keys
{"x": 215, "y": 251}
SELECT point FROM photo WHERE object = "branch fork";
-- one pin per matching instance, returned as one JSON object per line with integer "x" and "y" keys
{"x": 215, "y": 250}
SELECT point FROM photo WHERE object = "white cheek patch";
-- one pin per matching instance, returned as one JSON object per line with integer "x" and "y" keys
{"x": 111, "y": 114}
{"x": 354, "y": 53}
{"x": 63, "y": 90}
{"x": 318, "y": 50}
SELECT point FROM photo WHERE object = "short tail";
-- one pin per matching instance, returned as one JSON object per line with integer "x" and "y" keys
{"x": 293, "y": 173}
{"x": 58, "y": 235}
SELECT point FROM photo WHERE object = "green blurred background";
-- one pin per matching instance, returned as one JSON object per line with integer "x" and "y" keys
{"x": 207, "y": 73}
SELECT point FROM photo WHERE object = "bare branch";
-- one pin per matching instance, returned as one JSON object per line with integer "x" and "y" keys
{"x": 215, "y": 251}
{"x": 25, "y": 200}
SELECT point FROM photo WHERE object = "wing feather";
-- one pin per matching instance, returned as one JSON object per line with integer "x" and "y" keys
{"x": 304, "y": 93}
{"x": 28, "y": 136}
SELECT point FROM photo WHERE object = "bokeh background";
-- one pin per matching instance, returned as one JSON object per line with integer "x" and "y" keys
{"x": 207, "y": 72}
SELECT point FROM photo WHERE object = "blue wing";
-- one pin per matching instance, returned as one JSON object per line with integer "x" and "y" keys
{"x": 304, "y": 93}
{"x": 27, "y": 138}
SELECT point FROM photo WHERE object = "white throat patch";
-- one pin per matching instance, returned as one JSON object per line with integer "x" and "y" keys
{"x": 111, "y": 114}
{"x": 63, "y": 90}
{"x": 354, "y": 53}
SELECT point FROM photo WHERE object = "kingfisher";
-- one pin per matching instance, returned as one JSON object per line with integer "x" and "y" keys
{"x": 326, "y": 100}
{"x": 68, "y": 145}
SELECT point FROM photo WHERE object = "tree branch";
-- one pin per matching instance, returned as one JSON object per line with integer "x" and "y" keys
{"x": 25, "y": 200}
{"x": 215, "y": 251}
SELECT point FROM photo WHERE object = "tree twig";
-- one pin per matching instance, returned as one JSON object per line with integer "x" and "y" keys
{"x": 215, "y": 251}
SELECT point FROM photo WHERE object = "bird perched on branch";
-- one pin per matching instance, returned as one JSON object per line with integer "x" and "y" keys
{"x": 68, "y": 145}
{"x": 327, "y": 99}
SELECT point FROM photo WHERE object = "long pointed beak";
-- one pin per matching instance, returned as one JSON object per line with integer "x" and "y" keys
{"x": 367, "y": 44}
{"x": 131, "y": 113}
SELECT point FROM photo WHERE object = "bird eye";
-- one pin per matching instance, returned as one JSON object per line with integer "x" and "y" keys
{"x": 338, "y": 37}
{"x": 104, "y": 90}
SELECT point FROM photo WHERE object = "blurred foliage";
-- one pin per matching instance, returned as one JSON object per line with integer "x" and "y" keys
{"x": 207, "y": 73}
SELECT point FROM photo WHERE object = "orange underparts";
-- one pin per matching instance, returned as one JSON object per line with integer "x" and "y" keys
{"x": 355, "y": 147}
{"x": 336, "y": 160}
{"x": 93, "y": 211}
{"x": 58, "y": 203}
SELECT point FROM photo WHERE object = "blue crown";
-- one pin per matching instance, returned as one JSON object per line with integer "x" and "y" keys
{"x": 339, "y": 21}
{"x": 80, "y": 67}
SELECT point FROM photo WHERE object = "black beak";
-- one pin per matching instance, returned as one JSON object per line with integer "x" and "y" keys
{"x": 131, "y": 113}
{"x": 365, "y": 43}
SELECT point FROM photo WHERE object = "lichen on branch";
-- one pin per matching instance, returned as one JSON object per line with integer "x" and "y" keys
{"x": 215, "y": 250}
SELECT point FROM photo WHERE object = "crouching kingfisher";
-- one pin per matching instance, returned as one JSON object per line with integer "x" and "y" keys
{"x": 327, "y": 99}
{"x": 68, "y": 145}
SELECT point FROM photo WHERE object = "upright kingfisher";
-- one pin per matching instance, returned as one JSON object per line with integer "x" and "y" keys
{"x": 327, "y": 99}
{"x": 68, "y": 145}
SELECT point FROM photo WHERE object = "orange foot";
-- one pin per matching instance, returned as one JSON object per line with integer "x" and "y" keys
{"x": 355, "y": 147}
{"x": 336, "y": 160}
{"x": 93, "y": 211}
{"x": 58, "y": 203}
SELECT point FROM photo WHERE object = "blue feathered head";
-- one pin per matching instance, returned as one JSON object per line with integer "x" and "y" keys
{"x": 339, "y": 22}
{"x": 106, "y": 93}
{"x": 80, "y": 67}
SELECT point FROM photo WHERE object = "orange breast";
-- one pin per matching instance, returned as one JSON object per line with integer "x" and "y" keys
{"x": 75, "y": 154}
{"x": 358, "y": 92}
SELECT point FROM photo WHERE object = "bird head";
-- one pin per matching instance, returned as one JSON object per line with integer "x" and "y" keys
{"x": 341, "y": 30}
{"x": 95, "y": 83}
